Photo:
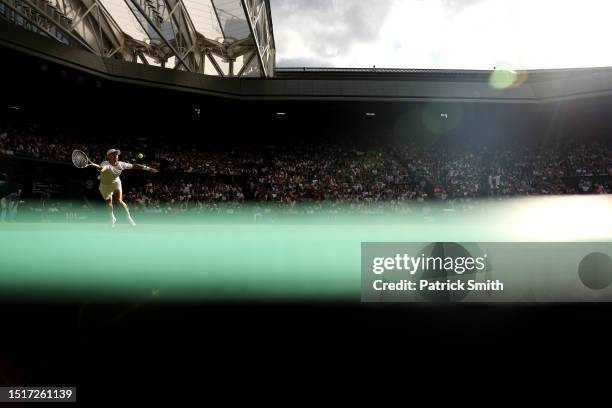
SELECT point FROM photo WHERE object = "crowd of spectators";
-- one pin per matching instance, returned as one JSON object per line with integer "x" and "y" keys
{"x": 181, "y": 194}
{"x": 517, "y": 170}
{"x": 325, "y": 172}
{"x": 199, "y": 176}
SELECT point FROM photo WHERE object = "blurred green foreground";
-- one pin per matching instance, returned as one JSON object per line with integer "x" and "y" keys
{"x": 294, "y": 257}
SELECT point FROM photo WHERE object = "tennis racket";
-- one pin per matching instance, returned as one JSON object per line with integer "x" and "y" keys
{"x": 81, "y": 160}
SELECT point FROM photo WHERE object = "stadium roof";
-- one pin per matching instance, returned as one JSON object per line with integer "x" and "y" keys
{"x": 120, "y": 40}
{"x": 30, "y": 51}
{"x": 216, "y": 37}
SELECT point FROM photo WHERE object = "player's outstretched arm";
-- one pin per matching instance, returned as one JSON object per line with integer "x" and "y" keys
{"x": 143, "y": 167}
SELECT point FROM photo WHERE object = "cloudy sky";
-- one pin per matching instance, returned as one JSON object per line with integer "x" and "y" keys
{"x": 467, "y": 34}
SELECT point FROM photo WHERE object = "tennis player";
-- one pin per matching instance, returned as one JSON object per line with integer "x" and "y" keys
{"x": 110, "y": 183}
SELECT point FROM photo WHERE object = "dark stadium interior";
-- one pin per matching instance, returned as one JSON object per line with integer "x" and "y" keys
{"x": 87, "y": 343}
{"x": 45, "y": 94}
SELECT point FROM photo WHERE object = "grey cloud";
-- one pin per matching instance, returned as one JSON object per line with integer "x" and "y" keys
{"x": 330, "y": 28}
{"x": 302, "y": 62}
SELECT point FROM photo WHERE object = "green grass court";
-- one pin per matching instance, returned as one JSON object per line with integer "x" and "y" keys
{"x": 297, "y": 259}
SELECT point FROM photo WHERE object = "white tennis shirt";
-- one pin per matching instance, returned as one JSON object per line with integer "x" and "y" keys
{"x": 110, "y": 174}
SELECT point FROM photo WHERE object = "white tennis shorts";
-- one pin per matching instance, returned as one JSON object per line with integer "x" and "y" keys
{"x": 107, "y": 189}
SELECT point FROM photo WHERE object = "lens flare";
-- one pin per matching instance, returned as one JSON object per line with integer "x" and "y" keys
{"x": 501, "y": 79}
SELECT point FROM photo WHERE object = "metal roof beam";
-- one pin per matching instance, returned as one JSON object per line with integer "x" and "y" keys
{"x": 186, "y": 37}
{"x": 167, "y": 23}
{"x": 92, "y": 21}
{"x": 48, "y": 20}
{"x": 257, "y": 19}
{"x": 153, "y": 18}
